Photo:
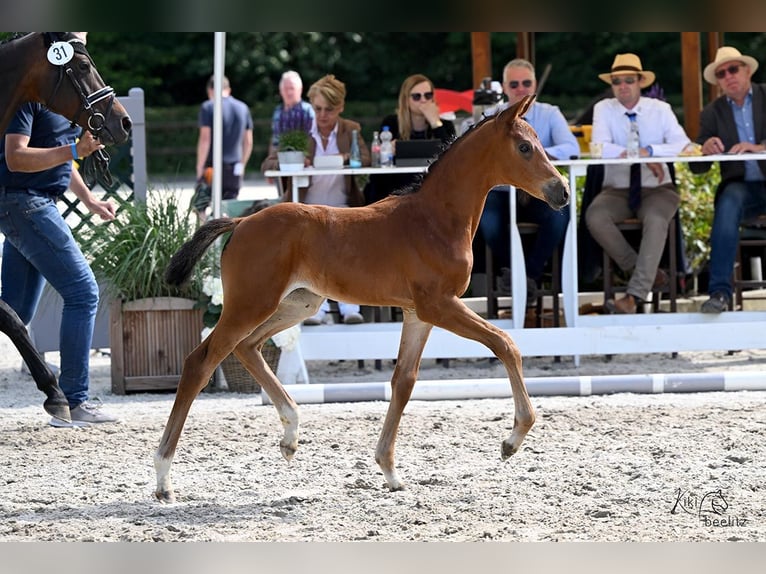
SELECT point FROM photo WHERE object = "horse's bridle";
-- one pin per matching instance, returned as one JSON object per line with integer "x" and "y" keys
{"x": 96, "y": 120}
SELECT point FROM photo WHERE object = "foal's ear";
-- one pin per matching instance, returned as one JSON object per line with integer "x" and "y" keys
{"x": 518, "y": 109}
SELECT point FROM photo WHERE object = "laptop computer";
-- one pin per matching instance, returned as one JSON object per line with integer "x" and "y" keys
{"x": 416, "y": 153}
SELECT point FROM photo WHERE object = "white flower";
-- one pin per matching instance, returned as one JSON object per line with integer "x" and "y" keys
{"x": 213, "y": 288}
{"x": 287, "y": 339}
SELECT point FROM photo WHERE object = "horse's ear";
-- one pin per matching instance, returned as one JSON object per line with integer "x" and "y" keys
{"x": 518, "y": 109}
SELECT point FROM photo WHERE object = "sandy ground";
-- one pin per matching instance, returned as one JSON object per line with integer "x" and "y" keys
{"x": 623, "y": 467}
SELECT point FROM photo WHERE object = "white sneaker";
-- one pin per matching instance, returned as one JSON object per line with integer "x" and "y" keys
{"x": 320, "y": 318}
{"x": 353, "y": 319}
{"x": 58, "y": 423}
{"x": 90, "y": 412}
{"x": 315, "y": 319}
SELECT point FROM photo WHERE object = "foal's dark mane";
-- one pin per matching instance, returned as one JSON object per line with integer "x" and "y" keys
{"x": 415, "y": 186}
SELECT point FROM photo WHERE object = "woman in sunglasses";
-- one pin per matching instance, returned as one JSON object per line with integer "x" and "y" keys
{"x": 417, "y": 117}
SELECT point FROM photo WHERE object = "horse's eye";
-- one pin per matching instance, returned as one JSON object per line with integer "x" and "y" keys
{"x": 84, "y": 66}
{"x": 524, "y": 147}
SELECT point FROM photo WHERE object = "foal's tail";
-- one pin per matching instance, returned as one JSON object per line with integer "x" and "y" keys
{"x": 182, "y": 263}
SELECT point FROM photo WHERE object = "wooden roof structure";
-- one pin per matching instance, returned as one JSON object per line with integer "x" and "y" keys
{"x": 691, "y": 67}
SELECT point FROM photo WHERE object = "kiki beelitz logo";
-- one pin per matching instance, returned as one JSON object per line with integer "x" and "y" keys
{"x": 711, "y": 508}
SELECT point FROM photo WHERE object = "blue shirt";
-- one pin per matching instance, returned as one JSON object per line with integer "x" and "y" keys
{"x": 45, "y": 129}
{"x": 551, "y": 127}
{"x": 743, "y": 119}
{"x": 236, "y": 119}
{"x": 299, "y": 117}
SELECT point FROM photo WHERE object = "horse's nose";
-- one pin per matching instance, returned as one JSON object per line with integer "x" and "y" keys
{"x": 556, "y": 192}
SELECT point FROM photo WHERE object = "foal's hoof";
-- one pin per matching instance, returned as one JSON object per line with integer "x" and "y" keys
{"x": 58, "y": 409}
{"x": 508, "y": 450}
{"x": 165, "y": 496}
{"x": 288, "y": 450}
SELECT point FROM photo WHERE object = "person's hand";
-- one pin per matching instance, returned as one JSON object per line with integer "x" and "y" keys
{"x": 88, "y": 144}
{"x": 656, "y": 169}
{"x": 747, "y": 147}
{"x": 106, "y": 210}
{"x": 431, "y": 112}
{"x": 712, "y": 146}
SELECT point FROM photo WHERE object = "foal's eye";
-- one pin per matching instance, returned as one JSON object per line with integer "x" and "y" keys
{"x": 525, "y": 147}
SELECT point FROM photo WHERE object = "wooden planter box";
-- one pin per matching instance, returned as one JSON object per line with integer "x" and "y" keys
{"x": 150, "y": 338}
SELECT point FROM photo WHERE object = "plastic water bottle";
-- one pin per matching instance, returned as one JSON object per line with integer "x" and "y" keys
{"x": 633, "y": 147}
{"x": 375, "y": 149}
{"x": 355, "y": 157}
{"x": 386, "y": 148}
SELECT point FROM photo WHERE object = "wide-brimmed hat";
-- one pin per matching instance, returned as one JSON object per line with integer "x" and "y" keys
{"x": 625, "y": 64}
{"x": 724, "y": 55}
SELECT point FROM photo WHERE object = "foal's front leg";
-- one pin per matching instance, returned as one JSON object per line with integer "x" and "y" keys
{"x": 456, "y": 317}
{"x": 414, "y": 336}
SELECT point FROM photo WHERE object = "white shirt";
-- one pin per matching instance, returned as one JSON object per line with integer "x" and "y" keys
{"x": 657, "y": 127}
{"x": 327, "y": 189}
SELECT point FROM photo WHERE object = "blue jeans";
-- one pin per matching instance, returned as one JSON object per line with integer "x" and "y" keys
{"x": 39, "y": 245}
{"x": 495, "y": 220}
{"x": 737, "y": 201}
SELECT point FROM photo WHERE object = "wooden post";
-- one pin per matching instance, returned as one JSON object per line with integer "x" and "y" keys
{"x": 481, "y": 55}
{"x": 714, "y": 41}
{"x": 525, "y": 46}
{"x": 692, "y": 82}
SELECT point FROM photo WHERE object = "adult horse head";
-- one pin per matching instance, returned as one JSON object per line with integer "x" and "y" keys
{"x": 55, "y": 69}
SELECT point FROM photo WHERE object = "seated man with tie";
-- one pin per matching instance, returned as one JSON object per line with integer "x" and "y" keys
{"x": 644, "y": 191}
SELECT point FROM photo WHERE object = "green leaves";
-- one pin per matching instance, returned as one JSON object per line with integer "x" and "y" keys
{"x": 131, "y": 253}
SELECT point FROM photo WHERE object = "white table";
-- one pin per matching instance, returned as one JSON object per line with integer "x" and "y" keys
{"x": 301, "y": 178}
{"x": 582, "y": 335}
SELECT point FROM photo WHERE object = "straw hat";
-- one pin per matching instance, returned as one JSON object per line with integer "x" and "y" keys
{"x": 724, "y": 55}
{"x": 625, "y": 64}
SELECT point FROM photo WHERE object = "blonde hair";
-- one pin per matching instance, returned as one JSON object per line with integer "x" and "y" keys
{"x": 329, "y": 87}
{"x": 403, "y": 115}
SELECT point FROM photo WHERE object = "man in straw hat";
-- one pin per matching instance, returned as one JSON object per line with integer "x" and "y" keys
{"x": 733, "y": 123}
{"x": 645, "y": 191}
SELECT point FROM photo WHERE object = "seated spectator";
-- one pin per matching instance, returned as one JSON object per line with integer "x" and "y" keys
{"x": 729, "y": 125}
{"x": 645, "y": 191}
{"x": 332, "y": 134}
{"x": 560, "y": 143}
{"x": 292, "y": 114}
{"x": 416, "y": 117}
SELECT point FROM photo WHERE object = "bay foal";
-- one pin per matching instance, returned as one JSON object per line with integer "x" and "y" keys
{"x": 410, "y": 250}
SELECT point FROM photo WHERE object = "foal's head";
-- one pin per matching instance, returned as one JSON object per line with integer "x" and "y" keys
{"x": 522, "y": 160}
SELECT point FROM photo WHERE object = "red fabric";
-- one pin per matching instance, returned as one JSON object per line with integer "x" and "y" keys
{"x": 450, "y": 100}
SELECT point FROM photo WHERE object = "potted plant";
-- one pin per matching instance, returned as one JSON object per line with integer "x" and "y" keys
{"x": 153, "y": 326}
{"x": 293, "y": 149}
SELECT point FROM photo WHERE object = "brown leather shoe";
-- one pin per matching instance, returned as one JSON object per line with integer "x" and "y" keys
{"x": 661, "y": 279}
{"x": 624, "y": 306}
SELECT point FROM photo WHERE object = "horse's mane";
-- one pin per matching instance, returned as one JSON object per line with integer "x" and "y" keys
{"x": 415, "y": 186}
{"x": 14, "y": 36}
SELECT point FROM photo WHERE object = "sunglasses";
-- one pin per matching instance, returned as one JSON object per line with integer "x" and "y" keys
{"x": 629, "y": 80}
{"x": 427, "y": 95}
{"x": 733, "y": 70}
{"x": 513, "y": 84}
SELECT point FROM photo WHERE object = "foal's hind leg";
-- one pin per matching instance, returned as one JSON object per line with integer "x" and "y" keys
{"x": 452, "y": 314}
{"x": 297, "y": 306}
{"x": 197, "y": 370}
{"x": 414, "y": 336}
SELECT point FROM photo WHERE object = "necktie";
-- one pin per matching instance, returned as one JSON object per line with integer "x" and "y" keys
{"x": 634, "y": 192}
